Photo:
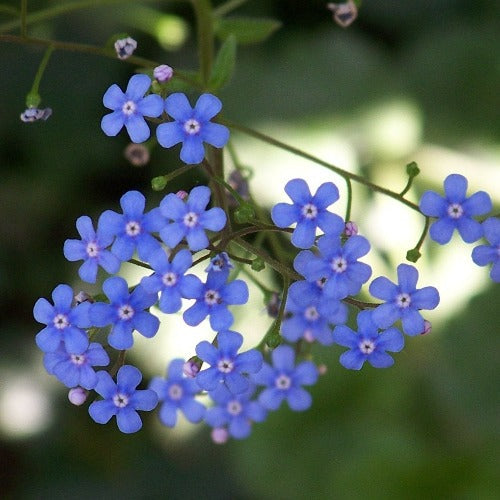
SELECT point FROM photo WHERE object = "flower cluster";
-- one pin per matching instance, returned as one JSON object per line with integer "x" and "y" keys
{"x": 190, "y": 126}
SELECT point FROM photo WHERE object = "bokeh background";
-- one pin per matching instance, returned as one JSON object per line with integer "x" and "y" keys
{"x": 408, "y": 81}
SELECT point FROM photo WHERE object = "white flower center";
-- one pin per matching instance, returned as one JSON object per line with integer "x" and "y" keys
{"x": 283, "y": 382}
{"x": 129, "y": 108}
{"x": 192, "y": 126}
{"x": 366, "y": 346}
{"x": 175, "y": 392}
{"x": 403, "y": 300}
{"x": 169, "y": 279}
{"x": 120, "y": 400}
{"x": 339, "y": 265}
{"x": 212, "y": 297}
{"x": 311, "y": 313}
{"x": 92, "y": 249}
{"x": 234, "y": 408}
{"x": 225, "y": 366}
{"x": 133, "y": 228}
{"x": 126, "y": 312}
{"x": 61, "y": 321}
{"x": 309, "y": 211}
{"x": 190, "y": 219}
{"x": 78, "y": 359}
{"x": 455, "y": 210}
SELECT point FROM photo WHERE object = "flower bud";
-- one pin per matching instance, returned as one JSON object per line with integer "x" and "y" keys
{"x": 351, "y": 228}
{"x": 137, "y": 154}
{"x": 427, "y": 327}
{"x": 163, "y": 73}
{"x": 244, "y": 213}
{"x": 190, "y": 368}
{"x": 81, "y": 297}
{"x": 181, "y": 194}
{"x": 125, "y": 47}
{"x": 273, "y": 305}
{"x": 158, "y": 183}
{"x": 344, "y": 14}
{"x": 77, "y": 395}
{"x": 219, "y": 435}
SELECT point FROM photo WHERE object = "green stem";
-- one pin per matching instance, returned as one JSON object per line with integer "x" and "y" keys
{"x": 343, "y": 173}
{"x": 424, "y": 233}
{"x": 33, "y": 98}
{"x": 24, "y": 12}
{"x": 205, "y": 35}
{"x": 228, "y": 7}
{"x": 349, "y": 200}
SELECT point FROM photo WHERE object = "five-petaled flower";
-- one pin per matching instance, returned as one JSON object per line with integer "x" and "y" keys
{"x": 403, "y": 301}
{"x": 122, "y": 399}
{"x": 129, "y": 108}
{"x": 483, "y": 255}
{"x": 455, "y": 210}
{"x": 192, "y": 126}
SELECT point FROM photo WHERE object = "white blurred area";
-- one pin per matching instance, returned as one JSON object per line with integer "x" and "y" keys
{"x": 387, "y": 137}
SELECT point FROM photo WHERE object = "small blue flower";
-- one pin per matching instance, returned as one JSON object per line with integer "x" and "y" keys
{"x": 483, "y": 255}
{"x": 133, "y": 228}
{"x": 455, "y": 210}
{"x": 64, "y": 322}
{"x": 170, "y": 279}
{"x": 190, "y": 219}
{"x": 226, "y": 365}
{"x": 220, "y": 263}
{"x": 237, "y": 412}
{"x": 75, "y": 370}
{"x": 192, "y": 126}
{"x": 368, "y": 344}
{"x": 403, "y": 301}
{"x": 122, "y": 399}
{"x": 309, "y": 212}
{"x": 212, "y": 300}
{"x": 284, "y": 380}
{"x": 129, "y": 108}
{"x": 177, "y": 393}
{"x": 338, "y": 264}
{"x": 125, "y": 312}
{"x": 91, "y": 249}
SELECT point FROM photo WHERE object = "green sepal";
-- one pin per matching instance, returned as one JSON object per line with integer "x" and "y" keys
{"x": 258, "y": 264}
{"x": 158, "y": 183}
{"x": 33, "y": 99}
{"x": 273, "y": 340}
{"x": 246, "y": 30}
{"x": 412, "y": 169}
{"x": 223, "y": 67}
{"x": 413, "y": 255}
{"x": 244, "y": 213}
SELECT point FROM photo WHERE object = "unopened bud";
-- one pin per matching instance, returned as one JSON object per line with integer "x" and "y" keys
{"x": 258, "y": 264}
{"x": 125, "y": 47}
{"x": 244, "y": 213}
{"x": 427, "y": 327}
{"x": 413, "y": 255}
{"x": 322, "y": 369}
{"x": 219, "y": 435}
{"x": 163, "y": 73}
{"x": 81, "y": 297}
{"x": 190, "y": 368}
{"x": 181, "y": 194}
{"x": 344, "y": 14}
{"x": 77, "y": 395}
{"x": 351, "y": 228}
{"x": 273, "y": 305}
{"x": 158, "y": 183}
{"x": 221, "y": 262}
{"x": 137, "y": 154}
{"x": 30, "y": 115}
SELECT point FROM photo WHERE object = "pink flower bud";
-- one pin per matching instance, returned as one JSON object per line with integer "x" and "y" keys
{"x": 219, "y": 435}
{"x": 190, "y": 369}
{"x": 351, "y": 228}
{"x": 77, "y": 395}
{"x": 322, "y": 369}
{"x": 427, "y": 327}
{"x": 163, "y": 73}
{"x": 181, "y": 194}
{"x": 137, "y": 154}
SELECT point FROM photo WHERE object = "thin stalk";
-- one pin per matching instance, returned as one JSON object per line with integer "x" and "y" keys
{"x": 24, "y": 12}
{"x": 205, "y": 35}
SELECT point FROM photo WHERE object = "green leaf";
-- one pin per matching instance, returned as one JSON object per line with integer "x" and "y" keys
{"x": 223, "y": 67}
{"x": 246, "y": 29}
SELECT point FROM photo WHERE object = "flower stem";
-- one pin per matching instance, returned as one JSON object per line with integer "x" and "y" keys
{"x": 33, "y": 98}
{"x": 205, "y": 34}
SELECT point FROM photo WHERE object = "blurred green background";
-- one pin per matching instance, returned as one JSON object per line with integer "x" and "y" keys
{"x": 427, "y": 427}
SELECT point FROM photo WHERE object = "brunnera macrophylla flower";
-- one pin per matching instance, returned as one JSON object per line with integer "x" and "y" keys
{"x": 309, "y": 212}
{"x": 192, "y": 126}
{"x": 130, "y": 108}
{"x": 125, "y": 47}
{"x": 122, "y": 399}
{"x": 455, "y": 211}
{"x": 125, "y": 313}
{"x": 91, "y": 249}
{"x": 64, "y": 322}
{"x": 177, "y": 393}
{"x": 483, "y": 255}
{"x": 226, "y": 365}
{"x": 367, "y": 344}
{"x": 403, "y": 301}
{"x": 283, "y": 380}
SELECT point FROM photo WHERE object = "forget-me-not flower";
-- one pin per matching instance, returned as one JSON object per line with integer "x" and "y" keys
{"x": 483, "y": 255}
{"x": 192, "y": 126}
{"x": 129, "y": 108}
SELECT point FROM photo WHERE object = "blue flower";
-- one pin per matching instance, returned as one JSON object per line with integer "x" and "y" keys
{"x": 64, "y": 322}
{"x": 177, "y": 393}
{"x": 368, "y": 344}
{"x": 191, "y": 126}
{"x": 133, "y": 228}
{"x": 76, "y": 369}
{"x": 126, "y": 313}
{"x": 284, "y": 380}
{"x": 226, "y": 365}
{"x": 91, "y": 249}
{"x": 403, "y": 301}
{"x": 190, "y": 219}
{"x": 309, "y": 212}
{"x": 338, "y": 264}
{"x": 220, "y": 263}
{"x": 212, "y": 300}
{"x": 129, "y": 108}
{"x": 170, "y": 279}
{"x": 237, "y": 412}
{"x": 455, "y": 210}
{"x": 122, "y": 399}
{"x": 483, "y": 255}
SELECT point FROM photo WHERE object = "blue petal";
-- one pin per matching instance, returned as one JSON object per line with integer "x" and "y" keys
{"x": 192, "y": 150}
{"x": 102, "y": 314}
{"x": 168, "y": 414}
{"x": 433, "y": 205}
{"x": 236, "y": 382}
{"x": 298, "y": 399}
{"x": 271, "y": 398}
{"x": 352, "y": 360}
{"x": 195, "y": 314}
{"x": 425, "y": 298}
{"x": 284, "y": 214}
{"x": 146, "y": 324}
{"x": 102, "y": 411}
{"x": 207, "y": 352}
{"x": 169, "y": 134}
{"x": 213, "y": 219}
{"x": 75, "y": 340}
{"x": 75, "y": 250}
{"x": 382, "y": 288}
{"x": 344, "y": 336}
{"x": 197, "y": 239}
{"x": 128, "y": 378}
{"x": 105, "y": 385}
{"x": 206, "y": 107}
{"x": 491, "y": 227}
{"x": 178, "y": 107}
{"x": 112, "y": 123}
{"x": 413, "y": 322}
{"x": 133, "y": 203}
{"x": 85, "y": 228}
{"x": 249, "y": 361}
{"x": 123, "y": 248}
{"x": 173, "y": 233}
{"x": 229, "y": 342}
{"x": 283, "y": 358}
{"x": 391, "y": 340}
{"x": 208, "y": 379}
{"x": 385, "y": 315}
{"x": 151, "y": 105}
{"x": 326, "y": 194}
{"x": 235, "y": 292}
{"x": 298, "y": 190}
{"x": 121, "y": 336}
{"x": 482, "y": 255}
{"x": 478, "y": 204}
{"x": 62, "y": 297}
{"x": 128, "y": 420}
{"x": 43, "y": 311}
{"x": 239, "y": 427}
{"x": 114, "y": 98}
{"x": 380, "y": 359}
{"x": 173, "y": 207}
{"x": 305, "y": 373}
{"x": 407, "y": 278}
{"x": 144, "y": 400}
{"x": 170, "y": 301}
{"x": 116, "y": 289}
{"x": 109, "y": 261}
{"x": 455, "y": 187}
{"x": 88, "y": 271}
{"x": 470, "y": 230}
{"x": 441, "y": 230}
{"x": 330, "y": 223}
{"x": 215, "y": 134}
{"x": 220, "y": 318}
{"x": 137, "y": 128}
{"x": 304, "y": 234}
{"x": 137, "y": 86}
